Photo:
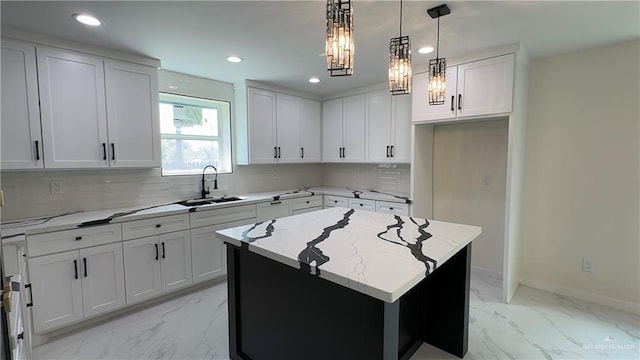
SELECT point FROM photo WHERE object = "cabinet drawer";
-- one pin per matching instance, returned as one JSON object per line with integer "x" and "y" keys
{"x": 154, "y": 226}
{"x": 302, "y": 211}
{"x": 307, "y": 202}
{"x": 333, "y": 201}
{"x": 224, "y": 215}
{"x": 59, "y": 241}
{"x": 362, "y": 204}
{"x": 388, "y": 207}
{"x": 273, "y": 210}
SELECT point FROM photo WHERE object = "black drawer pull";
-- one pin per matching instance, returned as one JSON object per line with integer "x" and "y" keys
{"x": 84, "y": 261}
{"x": 158, "y": 225}
{"x": 75, "y": 268}
{"x": 28, "y": 286}
{"x": 163, "y": 253}
{"x": 361, "y": 204}
{"x": 276, "y": 202}
{"x": 390, "y": 208}
{"x": 37, "y": 151}
{"x": 78, "y": 238}
{"x": 307, "y": 201}
{"x": 335, "y": 201}
{"x": 156, "y": 251}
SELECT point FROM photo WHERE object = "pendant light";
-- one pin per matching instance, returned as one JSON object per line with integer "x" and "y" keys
{"x": 400, "y": 63}
{"x": 438, "y": 66}
{"x": 339, "y": 41}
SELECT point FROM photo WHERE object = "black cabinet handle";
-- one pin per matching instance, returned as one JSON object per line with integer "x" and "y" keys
{"x": 275, "y": 152}
{"x": 75, "y": 268}
{"x": 344, "y": 152}
{"x": 158, "y": 225}
{"x": 302, "y": 153}
{"x": 28, "y": 286}
{"x": 307, "y": 201}
{"x": 156, "y": 251}
{"x": 335, "y": 201}
{"x": 163, "y": 252}
{"x": 279, "y": 152}
{"x": 452, "y": 99}
{"x": 390, "y": 208}
{"x": 459, "y": 101}
{"x": 113, "y": 151}
{"x": 361, "y": 204}
{"x": 78, "y": 238}
{"x": 84, "y": 261}
{"x": 104, "y": 151}
{"x": 388, "y": 150}
{"x": 276, "y": 202}
{"x": 339, "y": 152}
{"x": 37, "y": 150}
{"x": 392, "y": 151}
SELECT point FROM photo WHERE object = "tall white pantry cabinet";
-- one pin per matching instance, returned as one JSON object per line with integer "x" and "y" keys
{"x": 76, "y": 110}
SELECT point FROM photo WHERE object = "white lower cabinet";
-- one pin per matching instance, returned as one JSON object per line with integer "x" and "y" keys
{"x": 335, "y": 201}
{"x": 273, "y": 210}
{"x": 71, "y": 285}
{"x": 157, "y": 264}
{"x": 362, "y": 204}
{"x": 387, "y": 207}
{"x": 208, "y": 255}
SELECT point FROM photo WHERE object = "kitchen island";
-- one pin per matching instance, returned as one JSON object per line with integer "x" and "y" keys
{"x": 347, "y": 284}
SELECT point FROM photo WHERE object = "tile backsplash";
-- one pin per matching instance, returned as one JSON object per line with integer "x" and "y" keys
{"x": 28, "y": 193}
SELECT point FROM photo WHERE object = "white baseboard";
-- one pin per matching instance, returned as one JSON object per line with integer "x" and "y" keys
{"x": 492, "y": 273}
{"x": 582, "y": 295}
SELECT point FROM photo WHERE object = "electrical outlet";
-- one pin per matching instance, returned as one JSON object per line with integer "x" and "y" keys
{"x": 57, "y": 187}
{"x": 587, "y": 265}
{"x": 486, "y": 179}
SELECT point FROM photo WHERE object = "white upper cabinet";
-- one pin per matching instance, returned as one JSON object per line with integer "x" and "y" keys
{"x": 343, "y": 129}
{"x": 276, "y": 128}
{"x": 261, "y": 113}
{"x": 486, "y": 86}
{"x": 74, "y": 120}
{"x": 388, "y": 128}
{"x": 310, "y": 131}
{"x": 475, "y": 89}
{"x": 132, "y": 114}
{"x": 21, "y": 138}
{"x": 72, "y": 110}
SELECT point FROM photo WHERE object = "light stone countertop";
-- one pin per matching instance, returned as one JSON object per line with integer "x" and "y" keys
{"x": 377, "y": 254}
{"x": 14, "y": 231}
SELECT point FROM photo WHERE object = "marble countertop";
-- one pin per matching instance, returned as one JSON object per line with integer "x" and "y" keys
{"x": 16, "y": 230}
{"x": 377, "y": 254}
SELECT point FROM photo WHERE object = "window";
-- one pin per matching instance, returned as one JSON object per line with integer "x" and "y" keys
{"x": 195, "y": 132}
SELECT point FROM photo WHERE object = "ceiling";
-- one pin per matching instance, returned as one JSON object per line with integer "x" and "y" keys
{"x": 282, "y": 42}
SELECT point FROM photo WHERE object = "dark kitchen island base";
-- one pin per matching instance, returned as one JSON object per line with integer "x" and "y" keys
{"x": 279, "y": 312}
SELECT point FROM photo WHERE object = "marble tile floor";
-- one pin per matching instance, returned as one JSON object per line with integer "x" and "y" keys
{"x": 536, "y": 325}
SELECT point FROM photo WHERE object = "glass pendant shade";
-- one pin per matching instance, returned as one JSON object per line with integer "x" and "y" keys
{"x": 339, "y": 41}
{"x": 437, "y": 81}
{"x": 400, "y": 65}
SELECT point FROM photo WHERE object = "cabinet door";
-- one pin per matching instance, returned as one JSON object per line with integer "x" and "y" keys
{"x": 273, "y": 210}
{"x": 20, "y": 119}
{"x": 142, "y": 268}
{"x": 288, "y": 128}
{"x": 486, "y": 86}
{"x": 175, "y": 260}
{"x": 261, "y": 112}
{"x": 208, "y": 256}
{"x": 421, "y": 110}
{"x": 132, "y": 114}
{"x": 401, "y": 129}
{"x": 353, "y": 128}
{"x": 332, "y": 130}
{"x": 378, "y": 126}
{"x": 310, "y": 131}
{"x": 56, "y": 289}
{"x": 102, "y": 272}
{"x": 74, "y": 123}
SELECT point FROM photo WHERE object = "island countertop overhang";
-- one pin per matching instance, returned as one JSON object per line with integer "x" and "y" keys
{"x": 380, "y": 255}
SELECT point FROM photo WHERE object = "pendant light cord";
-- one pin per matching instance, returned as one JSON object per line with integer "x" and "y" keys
{"x": 400, "y": 18}
{"x": 438, "y": 44}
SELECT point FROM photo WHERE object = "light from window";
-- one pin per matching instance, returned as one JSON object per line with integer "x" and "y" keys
{"x": 195, "y": 132}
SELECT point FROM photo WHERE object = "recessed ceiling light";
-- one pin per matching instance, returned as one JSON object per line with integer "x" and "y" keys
{"x": 87, "y": 19}
{"x": 314, "y": 80}
{"x": 425, "y": 50}
{"x": 234, "y": 59}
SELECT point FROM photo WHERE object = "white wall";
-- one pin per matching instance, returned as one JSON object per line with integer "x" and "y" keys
{"x": 582, "y": 175}
{"x": 462, "y": 155}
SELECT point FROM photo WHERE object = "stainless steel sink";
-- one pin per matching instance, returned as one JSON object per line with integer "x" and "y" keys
{"x": 199, "y": 202}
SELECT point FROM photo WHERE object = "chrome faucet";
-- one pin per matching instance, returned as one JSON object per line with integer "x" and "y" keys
{"x": 205, "y": 191}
